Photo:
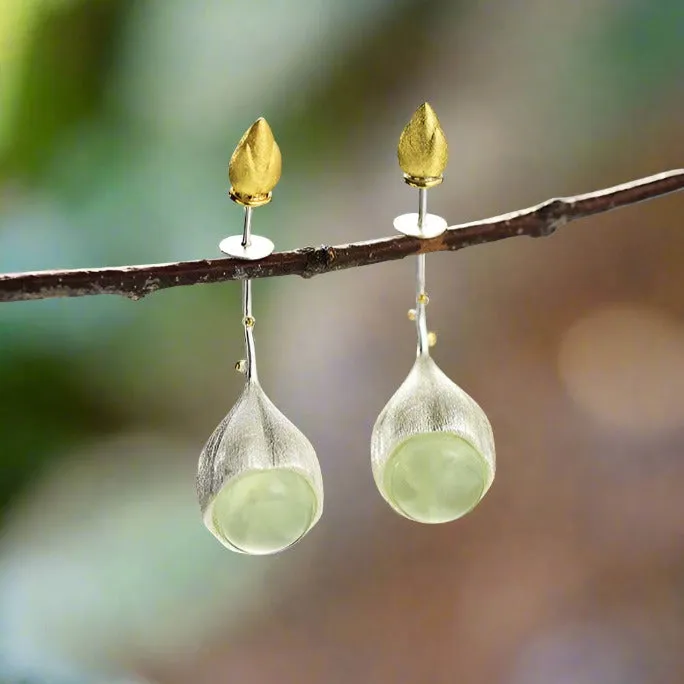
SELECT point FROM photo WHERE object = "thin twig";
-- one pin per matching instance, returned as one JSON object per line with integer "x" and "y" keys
{"x": 138, "y": 281}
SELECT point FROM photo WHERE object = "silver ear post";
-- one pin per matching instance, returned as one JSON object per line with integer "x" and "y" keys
{"x": 423, "y": 155}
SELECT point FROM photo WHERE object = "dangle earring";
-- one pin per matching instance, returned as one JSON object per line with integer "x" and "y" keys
{"x": 259, "y": 482}
{"x": 432, "y": 448}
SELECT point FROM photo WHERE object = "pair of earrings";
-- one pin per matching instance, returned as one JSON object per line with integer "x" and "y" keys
{"x": 432, "y": 450}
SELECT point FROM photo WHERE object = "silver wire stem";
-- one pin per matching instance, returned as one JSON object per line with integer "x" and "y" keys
{"x": 421, "y": 295}
{"x": 247, "y": 317}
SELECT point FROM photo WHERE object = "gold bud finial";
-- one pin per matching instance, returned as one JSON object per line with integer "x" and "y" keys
{"x": 255, "y": 166}
{"x": 423, "y": 151}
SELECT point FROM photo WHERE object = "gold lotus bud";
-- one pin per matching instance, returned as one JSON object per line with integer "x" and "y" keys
{"x": 255, "y": 166}
{"x": 423, "y": 151}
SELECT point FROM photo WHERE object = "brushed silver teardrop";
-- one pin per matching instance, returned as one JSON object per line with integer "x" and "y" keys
{"x": 257, "y": 457}
{"x": 432, "y": 448}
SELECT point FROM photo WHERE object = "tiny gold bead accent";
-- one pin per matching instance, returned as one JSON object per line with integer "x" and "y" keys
{"x": 432, "y": 338}
{"x": 241, "y": 366}
{"x": 255, "y": 166}
{"x": 423, "y": 151}
{"x": 411, "y": 314}
{"x": 249, "y": 321}
{"x": 423, "y": 298}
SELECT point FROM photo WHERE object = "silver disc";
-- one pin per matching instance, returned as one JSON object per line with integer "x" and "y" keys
{"x": 259, "y": 247}
{"x": 432, "y": 225}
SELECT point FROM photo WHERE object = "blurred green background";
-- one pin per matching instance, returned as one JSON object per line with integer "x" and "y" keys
{"x": 117, "y": 120}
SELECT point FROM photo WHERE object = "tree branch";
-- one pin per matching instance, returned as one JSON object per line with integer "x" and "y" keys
{"x": 138, "y": 281}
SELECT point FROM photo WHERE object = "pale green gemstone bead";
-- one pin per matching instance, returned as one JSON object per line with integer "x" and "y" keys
{"x": 265, "y": 511}
{"x": 436, "y": 477}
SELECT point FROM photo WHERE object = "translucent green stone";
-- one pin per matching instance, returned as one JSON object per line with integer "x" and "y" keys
{"x": 435, "y": 477}
{"x": 265, "y": 511}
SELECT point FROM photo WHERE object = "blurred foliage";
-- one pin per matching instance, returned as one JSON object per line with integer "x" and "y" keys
{"x": 38, "y": 425}
{"x": 63, "y": 82}
{"x": 643, "y": 48}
